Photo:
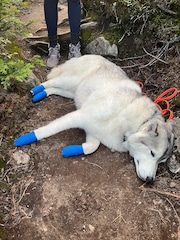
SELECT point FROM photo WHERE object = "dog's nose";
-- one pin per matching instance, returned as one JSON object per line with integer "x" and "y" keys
{"x": 149, "y": 180}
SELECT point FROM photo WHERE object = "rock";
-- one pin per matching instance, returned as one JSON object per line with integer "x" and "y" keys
{"x": 174, "y": 164}
{"x": 32, "y": 80}
{"x": 101, "y": 46}
{"x": 91, "y": 228}
{"x": 176, "y": 122}
{"x": 20, "y": 157}
{"x": 174, "y": 161}
{"x": 63, "y": 2}
{"x": 89, "y": 25}
{"x": 172, "y": 184}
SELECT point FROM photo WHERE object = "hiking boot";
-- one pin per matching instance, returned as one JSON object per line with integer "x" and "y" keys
{"x": 54, "y": 56}
{"x": 74, "y": 50}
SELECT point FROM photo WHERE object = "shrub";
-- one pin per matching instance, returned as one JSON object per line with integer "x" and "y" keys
{"x": 12, "y": 65}
{"x": 156, "y": 18}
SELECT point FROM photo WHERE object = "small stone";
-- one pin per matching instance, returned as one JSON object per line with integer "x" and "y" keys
{"x": 174, "y": 164}
{"x": 21, "y": 157}
{"x": 172, "y": 184}
{"x": 101, "y": 46}
{"x": 89, "y": 25}
{"x": 91, "y": 228}
{"x": 32, "y": 80}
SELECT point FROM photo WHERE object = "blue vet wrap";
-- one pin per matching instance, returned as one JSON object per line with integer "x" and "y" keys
{"x": 39, "y": 96}
{"x": 73, "y": 150}
{"x": 25, "y": 139}
{"x": 37, "y": 89}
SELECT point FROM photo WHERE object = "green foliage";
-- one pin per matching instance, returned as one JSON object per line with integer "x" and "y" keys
{"x": 145, "y": 19}
{"x": 16, "y": 70}
{"x": 3, "y": 234}
{"x": 12, "y": 65}
{"x": 10, "y": 26}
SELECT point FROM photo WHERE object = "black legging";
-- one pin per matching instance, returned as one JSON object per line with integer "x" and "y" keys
{"x": 51, "y": 17}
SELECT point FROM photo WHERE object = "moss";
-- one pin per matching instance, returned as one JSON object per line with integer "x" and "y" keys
{"x": 130, "y": 15}
{"x": 167, "y": 23}
{"x": 113, "y": 35}
{"x": 25, "y": 3}
{"x": 175, "y": 6}
{"x": 3, "y": 234}
{"x": 86, "y": 35}
{"x": 177, "y": 101}
{"x": 13, "y": 48}
{"x": 4, "y": 186}
{"x": 2, "y": 163}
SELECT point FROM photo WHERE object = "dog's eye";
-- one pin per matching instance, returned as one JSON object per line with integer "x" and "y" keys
{"x": 152, "y": 154}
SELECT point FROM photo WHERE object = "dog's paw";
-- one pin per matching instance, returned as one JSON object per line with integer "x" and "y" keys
{"x": 73, "y": 150}
{"x": 39, "y": 96}
{"x": 25, "y": 139}
{"x": 37, "y": 89}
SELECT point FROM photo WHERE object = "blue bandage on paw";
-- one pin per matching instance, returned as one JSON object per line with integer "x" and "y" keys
{"x": 39, "y": 96}
{"x": 73, "y": 150}
{"x": 25, "y": 139}
{"x": 37, "y": 89}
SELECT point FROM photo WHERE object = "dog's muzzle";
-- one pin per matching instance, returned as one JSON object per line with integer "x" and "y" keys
{"x": 146, "y": 170}
{"x": 149, "y": 180}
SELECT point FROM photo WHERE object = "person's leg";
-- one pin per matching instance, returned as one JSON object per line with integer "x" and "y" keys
{"x": 51, "y": 18}
{"x": 74, "y": 14}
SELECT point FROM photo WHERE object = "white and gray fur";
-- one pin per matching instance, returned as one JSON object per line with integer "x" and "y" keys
{"x": 112, "y": 110}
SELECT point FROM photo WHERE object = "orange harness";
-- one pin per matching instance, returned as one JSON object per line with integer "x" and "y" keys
{"x": 164, "y": 97}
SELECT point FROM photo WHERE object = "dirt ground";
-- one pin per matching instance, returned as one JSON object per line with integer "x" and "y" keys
{"x": 48, "y": 197}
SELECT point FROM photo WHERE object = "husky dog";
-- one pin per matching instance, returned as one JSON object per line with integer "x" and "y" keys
{"x": 111, "y": 109}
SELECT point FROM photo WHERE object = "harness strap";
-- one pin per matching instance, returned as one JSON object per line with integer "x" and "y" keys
{"x": 164, "y": 98}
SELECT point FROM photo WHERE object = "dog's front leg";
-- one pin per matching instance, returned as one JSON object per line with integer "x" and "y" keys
{"x": 90, "y": 146}
{"x": 70, "y": 120}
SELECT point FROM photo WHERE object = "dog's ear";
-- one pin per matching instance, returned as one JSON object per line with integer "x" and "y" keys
{"x": 152, "y": 129}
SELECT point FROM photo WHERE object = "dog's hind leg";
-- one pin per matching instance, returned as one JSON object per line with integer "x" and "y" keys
{"x": 52, "y": 91}
{"x": 62, "y": 86}
{"x": 90, "y": 146}
{"x": 70, "y": 120}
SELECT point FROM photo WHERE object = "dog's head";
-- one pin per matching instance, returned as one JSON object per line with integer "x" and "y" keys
{"x": 151, "y": 145}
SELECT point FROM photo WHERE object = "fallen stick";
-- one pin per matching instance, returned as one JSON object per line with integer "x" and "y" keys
{"x": 160, "y": 192}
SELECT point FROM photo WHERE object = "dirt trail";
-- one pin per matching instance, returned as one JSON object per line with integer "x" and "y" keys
{"x": 35, "y": 12}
